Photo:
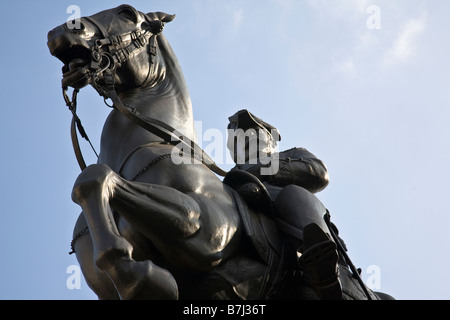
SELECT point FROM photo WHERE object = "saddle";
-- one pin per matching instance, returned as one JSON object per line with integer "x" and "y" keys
{"x": 260, "y": 227}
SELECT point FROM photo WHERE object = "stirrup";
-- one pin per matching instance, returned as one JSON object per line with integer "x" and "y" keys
{"x": 318, "y": 261}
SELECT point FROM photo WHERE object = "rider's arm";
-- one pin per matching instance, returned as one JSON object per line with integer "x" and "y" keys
{"x": 299, "y": 166}
{"x": 296, "y": 166}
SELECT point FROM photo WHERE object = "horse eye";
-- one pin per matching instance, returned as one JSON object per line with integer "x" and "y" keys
{"x": 75, "y": 25}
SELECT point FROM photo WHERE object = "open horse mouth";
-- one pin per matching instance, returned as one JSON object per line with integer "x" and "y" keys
{"x": 74, "y": 53}
{"x": 76, "y": 61}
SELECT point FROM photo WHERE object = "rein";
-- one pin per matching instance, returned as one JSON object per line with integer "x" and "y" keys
{"x": 103, "y": 65}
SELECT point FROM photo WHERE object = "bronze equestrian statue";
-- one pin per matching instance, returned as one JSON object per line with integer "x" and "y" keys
{"x": 151, "y": 228}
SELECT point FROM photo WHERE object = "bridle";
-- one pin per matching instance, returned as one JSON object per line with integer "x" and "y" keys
{"x": 107, "y": 54}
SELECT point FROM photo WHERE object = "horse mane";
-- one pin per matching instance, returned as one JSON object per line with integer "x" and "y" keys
{"x": 176, "y": 83}
{"x": 173, "y": 67}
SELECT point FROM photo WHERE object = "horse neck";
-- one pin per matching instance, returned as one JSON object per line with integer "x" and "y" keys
{"x": 168, "y": 100}
{"x": 164, "y": 102}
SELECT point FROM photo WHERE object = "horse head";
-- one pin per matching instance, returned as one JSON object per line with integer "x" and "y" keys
{"x": 124, "y": 49}
{"x": 117, "y": 39}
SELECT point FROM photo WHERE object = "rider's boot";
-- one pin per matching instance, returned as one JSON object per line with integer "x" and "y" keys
{"x": 318, "y": 260}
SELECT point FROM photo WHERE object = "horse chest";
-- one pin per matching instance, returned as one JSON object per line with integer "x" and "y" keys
{"x": 120, "y": 141}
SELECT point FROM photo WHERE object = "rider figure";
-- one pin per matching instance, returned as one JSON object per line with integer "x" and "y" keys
{"x": 251, "y": 143}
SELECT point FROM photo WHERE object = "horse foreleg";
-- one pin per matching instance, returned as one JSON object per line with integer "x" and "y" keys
{"x": 93, "y": 191}
{"x": 96, "y": 279}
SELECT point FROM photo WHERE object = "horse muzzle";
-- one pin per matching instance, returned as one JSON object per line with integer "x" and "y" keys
{"x": 74, "y": 51}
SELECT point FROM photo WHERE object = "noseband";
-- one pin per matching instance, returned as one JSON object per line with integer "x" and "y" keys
{"x": 106, "y": 55}
{"x": 111, "y": 51}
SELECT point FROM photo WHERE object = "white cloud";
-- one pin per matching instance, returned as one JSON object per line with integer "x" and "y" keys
{"x": 337, "y": 9}
{"x": 345, "y": 67}
{"x": 405, "y": 44}
{"x": 238, "y": 17}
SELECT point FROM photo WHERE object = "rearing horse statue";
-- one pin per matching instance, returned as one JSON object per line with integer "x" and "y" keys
{"x": 151, "y": 228}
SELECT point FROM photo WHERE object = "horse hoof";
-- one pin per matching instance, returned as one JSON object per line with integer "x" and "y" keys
{"x": 136, "y": 280}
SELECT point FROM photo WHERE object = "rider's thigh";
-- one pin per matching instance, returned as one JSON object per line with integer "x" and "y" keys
{"x": 298, "y": 207}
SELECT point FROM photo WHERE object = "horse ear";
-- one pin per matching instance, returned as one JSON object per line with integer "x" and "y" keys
{"x": 164, "y": 17}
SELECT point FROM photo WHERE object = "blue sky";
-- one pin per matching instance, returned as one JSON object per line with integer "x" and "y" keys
{"x": 372, "y": 103}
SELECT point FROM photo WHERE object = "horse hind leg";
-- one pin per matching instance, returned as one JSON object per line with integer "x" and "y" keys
{"x": 93, "y": 190}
